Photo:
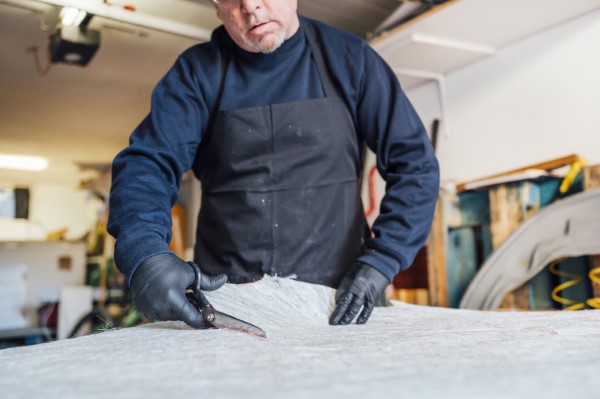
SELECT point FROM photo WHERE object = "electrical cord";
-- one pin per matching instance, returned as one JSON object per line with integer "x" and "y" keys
{"x": 372, "y": 199}
{"x": 42, "y": 71}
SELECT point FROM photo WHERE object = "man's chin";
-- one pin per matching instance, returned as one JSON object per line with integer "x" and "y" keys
{"x": 268, "y": 49}
{"x": 269, "y": 44}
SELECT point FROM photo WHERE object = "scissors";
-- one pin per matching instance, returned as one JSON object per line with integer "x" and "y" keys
{"x": 213, "y": 317}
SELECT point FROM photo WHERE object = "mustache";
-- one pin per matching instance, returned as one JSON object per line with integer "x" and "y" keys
{"x": 254, "y": 20}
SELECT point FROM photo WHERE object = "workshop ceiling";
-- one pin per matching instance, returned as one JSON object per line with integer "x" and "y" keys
{"x": 85, "y": 114}
{"x": 82, "y": 116}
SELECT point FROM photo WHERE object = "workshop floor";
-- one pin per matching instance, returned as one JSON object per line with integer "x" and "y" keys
{"x": 403, "y": 350}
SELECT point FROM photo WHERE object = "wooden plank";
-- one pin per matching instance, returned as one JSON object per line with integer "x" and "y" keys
{"x": 436, "y": 260}
{"x": 505, "y": 212}
{"x": 418, "y": 296}
{"x": 505, "y": 217}
{"x": 591, "y": 179}
{"x": 547, "y": 165}
{"x": 518, "y": 299}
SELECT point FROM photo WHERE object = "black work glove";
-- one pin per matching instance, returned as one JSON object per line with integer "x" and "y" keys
{"x": 159, "y": 285}
{"x": 361, "y": 287}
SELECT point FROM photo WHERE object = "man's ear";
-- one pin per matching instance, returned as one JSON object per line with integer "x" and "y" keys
{"x": 218, "y": 10}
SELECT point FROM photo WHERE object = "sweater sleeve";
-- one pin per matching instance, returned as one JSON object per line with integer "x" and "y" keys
{"x": 146, "y": 175}
{"x": 405, "y": 159}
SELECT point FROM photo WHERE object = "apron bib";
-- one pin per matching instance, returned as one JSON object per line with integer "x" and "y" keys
{"x": 280, "y": 190}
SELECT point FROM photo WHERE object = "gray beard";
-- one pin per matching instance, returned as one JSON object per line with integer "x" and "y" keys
{"x": 267, "y": 50}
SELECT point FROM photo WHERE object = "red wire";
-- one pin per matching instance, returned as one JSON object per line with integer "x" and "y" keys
{"x": 41, "y": 71}
{"x": 372, "y": 199}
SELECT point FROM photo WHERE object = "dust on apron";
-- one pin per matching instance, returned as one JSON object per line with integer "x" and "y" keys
{"x": 280, "y": 189}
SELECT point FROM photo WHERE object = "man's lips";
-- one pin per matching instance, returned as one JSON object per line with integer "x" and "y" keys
{"x": 258, "y": 27}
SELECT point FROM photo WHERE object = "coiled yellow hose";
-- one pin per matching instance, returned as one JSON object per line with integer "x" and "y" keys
{"x": 595, "y": 277}
{"x": 575, "y": 279}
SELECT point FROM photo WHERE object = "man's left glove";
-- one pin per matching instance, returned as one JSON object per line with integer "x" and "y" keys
{"x": 159, "y": 284}
{"x": 361, "y": 287}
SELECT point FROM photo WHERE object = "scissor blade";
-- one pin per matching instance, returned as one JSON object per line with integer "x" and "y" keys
{"x": 226, "y": 322}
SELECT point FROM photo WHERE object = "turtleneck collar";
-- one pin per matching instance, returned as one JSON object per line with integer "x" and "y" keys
{"x": 294, "y": 43}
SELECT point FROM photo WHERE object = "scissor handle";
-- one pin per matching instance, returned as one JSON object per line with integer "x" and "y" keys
{"x": 202, "y": 302}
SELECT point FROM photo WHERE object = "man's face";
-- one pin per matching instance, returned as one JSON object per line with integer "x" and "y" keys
{"x": 259, "y": 25}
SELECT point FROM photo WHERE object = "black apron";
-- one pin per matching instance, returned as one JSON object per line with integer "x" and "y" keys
{"x": 280, "y": 189}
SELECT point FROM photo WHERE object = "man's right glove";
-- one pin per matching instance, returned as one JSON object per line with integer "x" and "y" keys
{"x": 159, "y": 284}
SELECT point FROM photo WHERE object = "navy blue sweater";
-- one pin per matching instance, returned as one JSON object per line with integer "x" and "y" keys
{"x": 147, "y": 174}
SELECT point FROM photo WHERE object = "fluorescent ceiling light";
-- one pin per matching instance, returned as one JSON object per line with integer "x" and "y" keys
{"x": 23, "y": 162}
{"x": 71, "y": 16}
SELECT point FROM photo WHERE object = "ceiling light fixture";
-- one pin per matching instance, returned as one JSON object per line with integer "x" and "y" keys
{"x": 23, "y": 162}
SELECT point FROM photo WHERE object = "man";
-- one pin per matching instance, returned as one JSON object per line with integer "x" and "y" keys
{"x": 271, "y": 115}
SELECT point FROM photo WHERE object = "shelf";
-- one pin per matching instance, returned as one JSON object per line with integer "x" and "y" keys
{"x": 460, "y": 32}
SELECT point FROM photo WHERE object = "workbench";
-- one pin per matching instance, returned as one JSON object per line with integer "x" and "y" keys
{"x": 403, "y": 351}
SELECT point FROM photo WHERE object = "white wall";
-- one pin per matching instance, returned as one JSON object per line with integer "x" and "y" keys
{"x": 532, "y": 101}
{"x": 44, "y": 277}
{"x": 53, "y": 207}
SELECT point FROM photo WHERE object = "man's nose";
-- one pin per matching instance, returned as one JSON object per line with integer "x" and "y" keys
{"x": 250, "y": 5}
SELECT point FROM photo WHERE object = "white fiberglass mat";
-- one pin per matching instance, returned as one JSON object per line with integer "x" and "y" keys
{"x": 403, "y": 351}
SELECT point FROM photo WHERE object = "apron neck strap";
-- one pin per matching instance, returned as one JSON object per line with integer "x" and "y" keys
{"x": 328, "y": 86}
{"x": 225, "y": 57}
